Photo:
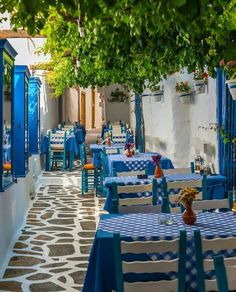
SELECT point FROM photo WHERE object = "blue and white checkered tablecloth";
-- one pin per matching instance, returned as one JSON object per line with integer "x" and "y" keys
{"x": 147, "y": 227}
{"x": 215, "y": 185}
{"x": 138, "y": 162}
{"x": 96, "y": 150}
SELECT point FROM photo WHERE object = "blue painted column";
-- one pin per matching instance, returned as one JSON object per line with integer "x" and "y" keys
{"x": 226, "y": 114}
{"x": 21, "y": 77}
{"x": 7, "y": 57}
{"x": 34, "y": 114}
{"x": 139, "y": 123}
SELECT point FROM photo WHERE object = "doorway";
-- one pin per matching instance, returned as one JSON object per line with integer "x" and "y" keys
{"x": 83, "y": 109}
{"x": 93, "y": 109}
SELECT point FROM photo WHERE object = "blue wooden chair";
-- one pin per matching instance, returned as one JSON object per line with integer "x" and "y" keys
{"x": 89, "y": 172}
{"x": 170, "y": 185}
{"x": 120, "y": 248}
{"x": 126, "y": 200}
{"x": 221, "y": 276}
{"x": 203, "y": 265}
{"x": 57, "y": 150}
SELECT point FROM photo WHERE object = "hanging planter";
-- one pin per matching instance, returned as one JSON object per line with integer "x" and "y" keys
{"x": 232, "y": 87}
{"x": 184, "y": 97}
{"x": 158, "y": 95}
{"x": 146, "y": 95}
{"x": 200, "y": 80}
{"x": 184, "y": 92}
{"x": 157, "y": 92}
{"x": 199, "y": 86}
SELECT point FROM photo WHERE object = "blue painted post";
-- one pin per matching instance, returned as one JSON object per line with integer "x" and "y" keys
{"x": 21, "y": 77}
{"x": 139, "y": 123}
{"x": 34, "y": 114}
{"x": 219, "y": 88}
{"x": 226, "y": 118}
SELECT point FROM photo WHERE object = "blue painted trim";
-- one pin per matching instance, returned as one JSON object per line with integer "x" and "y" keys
{"x": 7, "y": 47}
{"x": 219, "y": 86}
{"x": 21, "y": 77}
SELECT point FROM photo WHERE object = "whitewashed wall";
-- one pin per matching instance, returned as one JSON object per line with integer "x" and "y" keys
{"x": 172, "y": 128}
{"x": 15, "y": 201}
{"x": 116, "y": 111}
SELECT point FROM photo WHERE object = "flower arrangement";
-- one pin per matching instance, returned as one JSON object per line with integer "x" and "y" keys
{"x": 186, "y": 196}
{"x": 230, "y": 68}
{"x": 156, "y": 159}
{"x": 128, "y": 146}
{"x": 198, "y": 74}
{"x": 155, "y": 88}
{"x": 182, "y": 87}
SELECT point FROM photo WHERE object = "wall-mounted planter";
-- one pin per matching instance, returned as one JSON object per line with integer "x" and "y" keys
{"x": 199, "y": 86}
{"x": 232, "y": 87}
{"x": 146, "y": 95}
{"x": 157, "y": 95}
{"x": 184, "y": 97}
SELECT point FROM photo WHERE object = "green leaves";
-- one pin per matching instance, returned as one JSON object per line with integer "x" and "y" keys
{"x": 129, "y": 41}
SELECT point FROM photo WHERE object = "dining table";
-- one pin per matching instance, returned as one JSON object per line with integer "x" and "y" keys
{"x": 141, "y": 161}
{"x": 100, "y": 276}
{"x": 71, "y": 149}
{"x": 216, "y": 185}
{"x": 96, "y": 150}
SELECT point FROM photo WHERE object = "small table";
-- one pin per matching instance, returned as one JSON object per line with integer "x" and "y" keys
{"x": 71, "y": 148}
{"x": 100, "y": 275}
{"x": 216, "y": 185}
{"x": 137, "y": 162}
{"x": 96, "y": 150}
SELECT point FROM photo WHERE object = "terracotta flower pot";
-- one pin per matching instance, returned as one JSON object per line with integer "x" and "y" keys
{"x": 108, "y": 142}
{"x": 158, "y": 171}
{"x": 189, "y": 217}
{"x": 128, "y": 153}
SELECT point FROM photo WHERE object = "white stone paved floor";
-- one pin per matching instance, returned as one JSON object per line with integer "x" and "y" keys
{"x": 52, "y": 251}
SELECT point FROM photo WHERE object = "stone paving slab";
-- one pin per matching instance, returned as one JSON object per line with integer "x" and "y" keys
{"x": 52, "y": 251}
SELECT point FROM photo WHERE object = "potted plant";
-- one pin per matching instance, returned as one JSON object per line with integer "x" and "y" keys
{"x": 199, "y": 80}
{"x": 157, "y": 92}
{"x": 230, "y": 68}
{"x": 186, "y": 197}
{"x": 184, "y": 91}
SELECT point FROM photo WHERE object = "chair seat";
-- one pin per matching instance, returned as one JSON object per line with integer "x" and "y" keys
{"x": 89, "y": 166}
{"x": 7, "y": 166}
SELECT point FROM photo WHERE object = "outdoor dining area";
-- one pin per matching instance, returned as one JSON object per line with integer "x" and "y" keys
{"x": 167, "y": 228}
{"x": 61, "y": 145}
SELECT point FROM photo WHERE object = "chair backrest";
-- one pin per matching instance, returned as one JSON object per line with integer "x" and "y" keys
{"x": 177, "y": 246}
{"x": 225, "y": 274}
{"x": 177, "y": 170}
{"x": 203, "y": 265}
{"x": 128, "y": 173}
{"x": 119, "y": 138}
{"x": 136, "y": 198}
{"x": 167, "y": 186}
{"x": 83, "y": 154}
{"x": 57, "y": 139}
{"x": 216, "y": 204}
{"x": 111, "y": 150}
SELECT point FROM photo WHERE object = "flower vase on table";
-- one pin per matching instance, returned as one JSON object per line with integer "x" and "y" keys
{"x": 189, "y": 217}
{"x": 158, "y": 171}
{"x": 108, "y": 141}
{"x": 128, "y": 151}
{"x": 186, "y": 197}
